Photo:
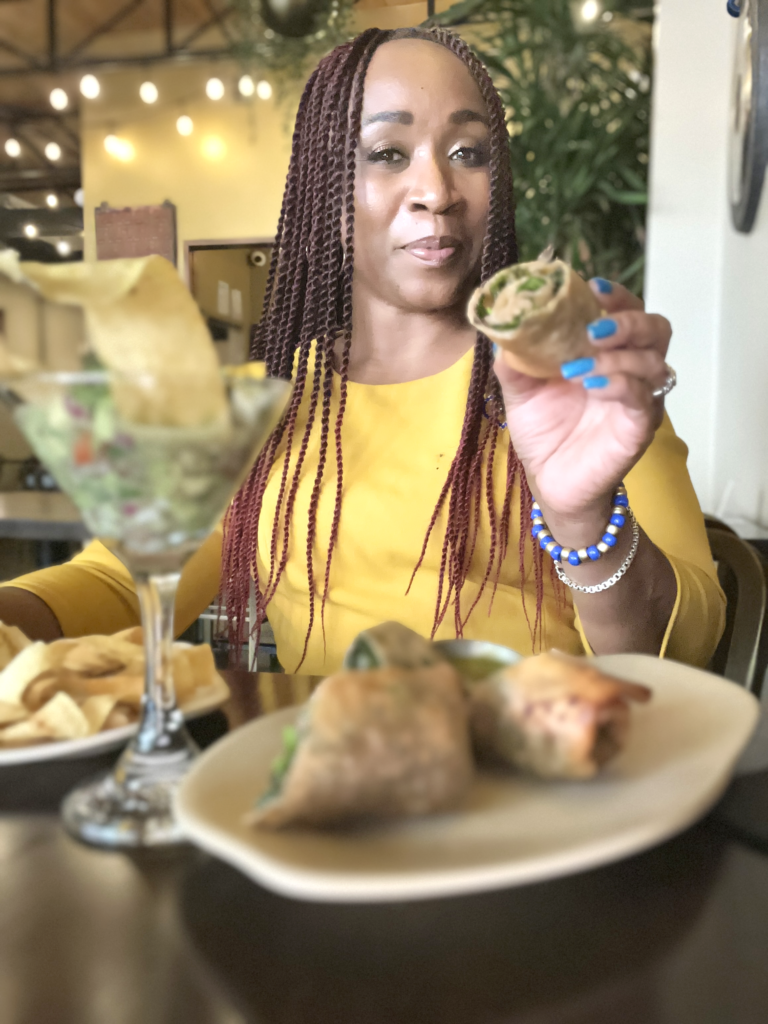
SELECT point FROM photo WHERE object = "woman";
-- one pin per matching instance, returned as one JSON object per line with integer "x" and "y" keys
{"x": 399, "y": 484}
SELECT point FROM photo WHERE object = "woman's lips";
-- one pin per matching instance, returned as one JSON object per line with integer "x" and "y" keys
{"x": 434, "y": 250}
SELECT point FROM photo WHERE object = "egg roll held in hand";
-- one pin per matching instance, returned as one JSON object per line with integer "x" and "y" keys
{"x": 383, "y": 743}
{"x": 538, "y": 314}
{"x": 554, "y": 716}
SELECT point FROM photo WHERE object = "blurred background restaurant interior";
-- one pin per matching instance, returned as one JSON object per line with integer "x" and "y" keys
{"x": 135, "y": 126}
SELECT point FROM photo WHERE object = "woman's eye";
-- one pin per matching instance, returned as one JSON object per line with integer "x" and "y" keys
{"x": 471, "y": 156}
{"x": 387, "y": 155}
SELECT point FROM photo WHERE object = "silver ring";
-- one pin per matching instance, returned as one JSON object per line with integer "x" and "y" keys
{"x": 668, "y": 384}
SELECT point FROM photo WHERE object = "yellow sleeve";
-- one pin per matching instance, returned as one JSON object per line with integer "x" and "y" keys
{"x": 665, "y": 504}
{"x": 94, "y": 592}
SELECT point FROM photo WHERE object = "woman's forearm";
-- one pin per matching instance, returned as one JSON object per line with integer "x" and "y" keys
{"x": 30, "y": 613}
{"x": 633, "y": 614}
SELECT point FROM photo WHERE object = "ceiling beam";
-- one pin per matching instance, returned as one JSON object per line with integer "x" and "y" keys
{"x": 38, "y": 179}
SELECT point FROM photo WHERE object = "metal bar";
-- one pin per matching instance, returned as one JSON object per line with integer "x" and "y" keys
{"x": 40, "y": 179}
{"x": 105, "y": 27}
{"x": 52, "y": 34}
{"x": 33, "y": 146}
{"x": 222, "y": 16}
{"x": 217, "y": 19}
{"x": 168, "y": 22}
{"x": 118, "y": 62}
{"x": 30, "y": 61}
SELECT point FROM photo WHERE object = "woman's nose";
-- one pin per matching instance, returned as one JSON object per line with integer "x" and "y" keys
{"x": 432, "y": 188}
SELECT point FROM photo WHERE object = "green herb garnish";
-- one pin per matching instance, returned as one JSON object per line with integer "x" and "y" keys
{"x": 281, "y": 764}
{"x": 532, "y": 284}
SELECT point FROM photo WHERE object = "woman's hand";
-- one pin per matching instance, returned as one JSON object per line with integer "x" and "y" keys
{"x": 578, "y": 437}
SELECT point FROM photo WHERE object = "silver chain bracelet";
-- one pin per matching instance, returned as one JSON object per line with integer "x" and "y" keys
{"x": 616, "y": 576}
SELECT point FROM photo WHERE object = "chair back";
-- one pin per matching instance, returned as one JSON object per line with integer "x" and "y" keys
{"x": 740, "y": 655}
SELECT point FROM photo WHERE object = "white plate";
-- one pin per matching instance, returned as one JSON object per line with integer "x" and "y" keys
{"x": 512, "y": 829}
{"x": 204, "y": 699}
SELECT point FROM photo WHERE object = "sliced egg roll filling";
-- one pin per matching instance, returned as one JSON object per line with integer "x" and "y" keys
{"x": 515, "y": 293}
{"x": 281, "y": 764}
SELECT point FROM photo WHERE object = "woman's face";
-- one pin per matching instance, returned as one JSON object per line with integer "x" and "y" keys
{"x": 422, "y": 179}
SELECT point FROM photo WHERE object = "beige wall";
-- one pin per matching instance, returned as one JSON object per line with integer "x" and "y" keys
{"x": 235, "y": 196}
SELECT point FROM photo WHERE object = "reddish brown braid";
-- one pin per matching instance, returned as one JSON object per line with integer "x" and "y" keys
{"x": 308, "y": 307}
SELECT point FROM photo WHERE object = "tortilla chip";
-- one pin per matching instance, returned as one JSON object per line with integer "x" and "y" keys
{"x": 59, "y": 719}
{"x": 97, "y": 710}
{"x": 141, "y": 320}
{"x": 28, "y": 665}
{"x": 12, "y": 641}
{"x": 10, "y": 713}
{"x": 193, "y": 668}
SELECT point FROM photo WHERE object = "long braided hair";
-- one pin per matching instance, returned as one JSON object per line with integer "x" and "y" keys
{"x": 308, "y": 306}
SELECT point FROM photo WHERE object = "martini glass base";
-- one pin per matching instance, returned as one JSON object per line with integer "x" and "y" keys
{"x": 130, "y": 808}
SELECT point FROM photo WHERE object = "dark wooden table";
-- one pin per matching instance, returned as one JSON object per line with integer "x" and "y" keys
{"x": 678, "y": 935}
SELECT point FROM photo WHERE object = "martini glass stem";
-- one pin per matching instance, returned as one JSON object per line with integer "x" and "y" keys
{"x": 160, "y": 715}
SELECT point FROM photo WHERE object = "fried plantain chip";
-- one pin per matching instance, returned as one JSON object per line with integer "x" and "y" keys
{"x": 59, "y": 719}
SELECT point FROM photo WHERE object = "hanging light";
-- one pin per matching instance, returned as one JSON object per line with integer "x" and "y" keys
{"x": 214, "y": 89}
{"x": 53, "y": 151}
{"x": 30, "y": 230}
{"x": 79, "y": 197}
{"x": 59, "y": 99}
{"x": 90, "y": 87}
{"x": 120, "y": 149}
{"x": 13, "y": 148}
{"x": 52, "y": 200}
{"x": 246, "y": 86}
{"x": 63, "y": 248}
{"x": 185, "y": 125}
{"x": 590, "y": 10}
{"x": 264, "y": 90}
{"x": 148, "y": 92}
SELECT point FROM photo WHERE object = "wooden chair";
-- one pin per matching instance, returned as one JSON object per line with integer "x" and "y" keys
{"x": 742, "y": 654}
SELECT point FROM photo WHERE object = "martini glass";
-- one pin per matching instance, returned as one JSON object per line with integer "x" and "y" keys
{"x": 151, "y": 492}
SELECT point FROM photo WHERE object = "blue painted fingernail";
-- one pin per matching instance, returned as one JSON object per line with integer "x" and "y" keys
{"x": 595, "y": 382}
{"x": 577, "y": 367}
{"x": 602, "y": 329}
{"x": 604, "y": 286}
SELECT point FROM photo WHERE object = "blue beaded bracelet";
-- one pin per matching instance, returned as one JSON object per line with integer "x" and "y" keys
{"x": 619, "y": 515}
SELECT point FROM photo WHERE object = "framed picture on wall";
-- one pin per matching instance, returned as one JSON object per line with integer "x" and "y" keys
{"x": 136, "y": 231}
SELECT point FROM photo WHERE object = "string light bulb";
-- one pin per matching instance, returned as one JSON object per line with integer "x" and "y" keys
{"x": 185, "y": 125}
{"x": 264, "y": 90}
{"x": 246, "y": 86}
{"x": 214, "y": 89}
{"x": 30, "y": 230}
{"x": 90, "y": 87}
{"x": 590, "y": 10}
{"x": 13, "y": 148}
{"x": 79, "y": 197}
{"x": 59, "y": 99}
{"x": 63, "y": 248}
{"x": 148, "y": 92}
{"x": 52, "y": 151}
{"x": 52, "y": 200}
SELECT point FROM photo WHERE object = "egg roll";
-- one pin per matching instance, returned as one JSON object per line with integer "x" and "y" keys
{"x": 553, "y": 716}
{"x": 384, "y": 743}
{"x": 393, "y": 644}
{"x": 538, "y": 314}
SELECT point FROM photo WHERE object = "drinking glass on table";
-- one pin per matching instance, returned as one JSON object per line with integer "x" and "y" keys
{"x": 151, "y": 488}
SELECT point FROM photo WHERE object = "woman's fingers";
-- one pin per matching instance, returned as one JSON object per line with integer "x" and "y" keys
{"x": 646, "y": 364}
{"x": 614, "y": 297}
{"x": 633, "y": 392}
{"x": 631, "y": 329}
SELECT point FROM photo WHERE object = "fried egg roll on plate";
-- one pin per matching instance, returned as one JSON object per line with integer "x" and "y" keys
{"x": 554, "y": 716}
{"x": 384, "y": 743}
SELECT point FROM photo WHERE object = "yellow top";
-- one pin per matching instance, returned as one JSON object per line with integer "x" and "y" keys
{"x": 398, "y": 442}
